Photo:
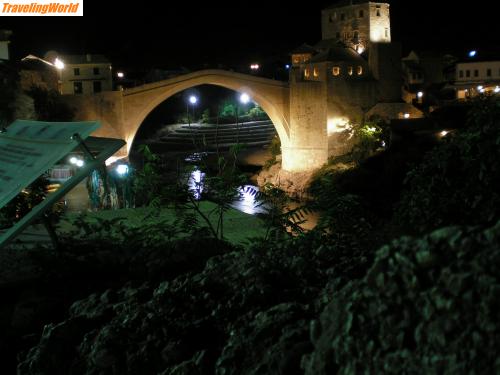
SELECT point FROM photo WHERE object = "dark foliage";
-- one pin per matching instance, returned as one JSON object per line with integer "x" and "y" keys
{"x": 459, "y": 181}
{"x": 49, "y": 105}
{"x": 427, "y": 306}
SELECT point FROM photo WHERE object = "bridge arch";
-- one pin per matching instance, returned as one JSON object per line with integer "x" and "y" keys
{"x": 271, "y": 95}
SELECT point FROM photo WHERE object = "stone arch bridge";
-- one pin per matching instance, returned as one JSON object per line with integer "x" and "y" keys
{"x": 302, "y": 133}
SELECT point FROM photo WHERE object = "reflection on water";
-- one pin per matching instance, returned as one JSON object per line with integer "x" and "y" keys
{"x": 196, "y": 184}
{"x": 246, "y": 202}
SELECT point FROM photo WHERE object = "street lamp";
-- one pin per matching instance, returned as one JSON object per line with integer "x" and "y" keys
{"x": 244, "y": 99}
{"x": 59, "y": 64}
{"x": 192, "y": 100}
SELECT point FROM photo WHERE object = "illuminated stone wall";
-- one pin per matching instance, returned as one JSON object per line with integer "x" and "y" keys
{"x": 357, "y": 25}
{"x": 308, "y": 145}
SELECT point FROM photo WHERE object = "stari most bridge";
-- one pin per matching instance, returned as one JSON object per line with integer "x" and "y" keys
{"x": 303, "y": 139}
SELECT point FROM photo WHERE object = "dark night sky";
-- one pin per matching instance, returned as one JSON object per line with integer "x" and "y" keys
{"x": 191, "y": 33}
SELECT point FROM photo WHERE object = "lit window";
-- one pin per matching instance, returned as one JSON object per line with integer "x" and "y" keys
{"x": 336, "y": 70}
{"x": 315, "y": 72}
{"x": 360, "y": 70}
{"x": 296, "y": 59}
{"x": 307, "y": 74}
{"x": 349, "y": 70}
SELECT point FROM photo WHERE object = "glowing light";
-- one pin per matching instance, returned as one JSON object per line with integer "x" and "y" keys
{"x": 245, "y": 98}
{"x": 255, "y": 66}
{"x": 195, "y": 183}
{"x": 80, "y": 163}
{"x": 406, "y": 115}
{"x": 193, "y": 99}
{"x": 497, "y": 89}
{"x": 360, "y": 49}
{"x": 120, "y": 74}
{"x": 480, "y": 87}
{"x": 122, "y": 169}
{"x": 338, "y": 125}
{"x": 473, "y": 53}
{"x": 383, "y": 143}
{"x": 420, "y": 94}
{"x": 73, "y": 160}
{"x": 444, "y": 133}
{"x": 58, "y": 64}
{"x": 287, "y": 66}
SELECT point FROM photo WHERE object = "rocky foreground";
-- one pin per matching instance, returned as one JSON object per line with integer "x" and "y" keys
{"x": 426, "y": 305}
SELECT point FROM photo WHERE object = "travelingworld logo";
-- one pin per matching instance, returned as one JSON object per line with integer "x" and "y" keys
{"x": 41, "y": 8}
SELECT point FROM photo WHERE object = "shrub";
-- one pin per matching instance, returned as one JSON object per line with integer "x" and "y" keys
{"x": 458, "y": 181}
{"x": 427, "y": 306}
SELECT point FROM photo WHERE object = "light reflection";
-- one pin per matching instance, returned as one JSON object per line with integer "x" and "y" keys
{"x": 196, "y": 184}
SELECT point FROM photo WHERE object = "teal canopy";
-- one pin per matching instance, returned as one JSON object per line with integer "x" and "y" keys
{"x": 29, "y": 148}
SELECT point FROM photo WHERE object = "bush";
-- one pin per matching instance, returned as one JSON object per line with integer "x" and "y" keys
{"x": 427, "y": 306}
{"x": 458, "y": 182}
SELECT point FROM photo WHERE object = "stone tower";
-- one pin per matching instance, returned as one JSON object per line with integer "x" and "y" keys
{"x": 357, "y": 23}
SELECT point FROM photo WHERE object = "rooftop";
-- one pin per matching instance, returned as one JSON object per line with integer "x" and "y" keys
{"x": 345, "y": 3}
{"x": 84, "y": 59}
{"x": 338, "y": 53}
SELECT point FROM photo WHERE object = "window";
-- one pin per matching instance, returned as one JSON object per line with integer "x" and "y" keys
{"x": 361, "y": 14}
{"x": 336, "y": 70}
{"x": 467, "y": 73}
{"x": 76, "y": 71}
{"x": 337, "y": 35}
{"x": 476, "y": 73}
{"x": 349, "y": 70}
{"x": 378, "y": 10}
{"x": 307, "y": 74}
{"x": 360, "y": 70}
{"x": 488, "y": 72}
{"x": 356, "y": 35}
{"x": 461, "y": 74}
{"x": 97, "y": 86}
{"x": 77, "y": 88}
{"x": 96, "y": 71}
{"x": 315, "y": 73}
{"x": 386, "y": 32}
{"x": 342, "y": 16}
{"x": 333, "y": 17}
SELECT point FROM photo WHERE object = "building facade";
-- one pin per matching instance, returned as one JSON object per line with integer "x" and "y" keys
{"x": 85, "y": 74}
{"x": 4, "y": 44}
{"x": 477, "y": 77}
{"x": 340, "y": 79}
{"x": 357, "y": 24}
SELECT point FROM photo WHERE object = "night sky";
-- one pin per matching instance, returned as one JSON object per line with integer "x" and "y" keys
{"x": 183, "y": 33}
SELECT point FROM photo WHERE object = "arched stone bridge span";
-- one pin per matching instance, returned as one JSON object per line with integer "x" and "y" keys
{"x": 122, "y": 112}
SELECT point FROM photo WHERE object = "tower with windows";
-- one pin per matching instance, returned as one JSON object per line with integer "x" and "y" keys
{"x": 357, "y": 23}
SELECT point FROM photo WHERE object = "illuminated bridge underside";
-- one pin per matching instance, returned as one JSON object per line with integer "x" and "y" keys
{"x": 122, "y": 112}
